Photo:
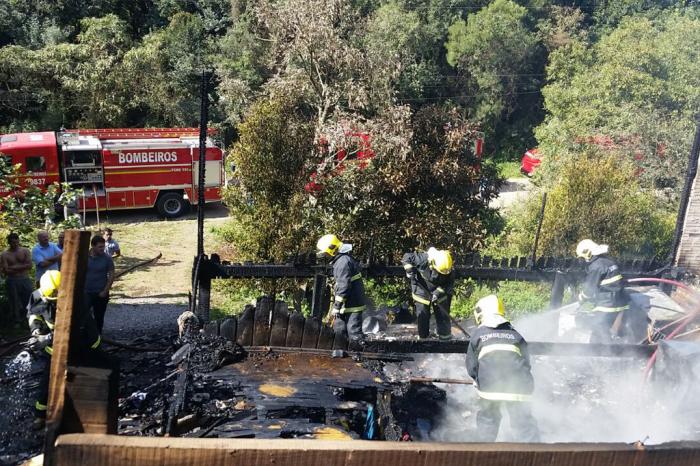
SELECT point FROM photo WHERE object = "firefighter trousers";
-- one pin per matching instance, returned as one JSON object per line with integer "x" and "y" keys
{"x": 349, "y": 324}
{"x": 442, "y": 318}
{"x": 522, "y": 423}
{"x": 599, "y": 323}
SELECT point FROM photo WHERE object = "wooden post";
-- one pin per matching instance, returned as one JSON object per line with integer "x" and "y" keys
{"x": 317, "y": 299}
{"x": 533, "y": 259}
{"x": 557, "y": 290}
{"x": 204, "y": 295}
{"x": 70, "y": 304}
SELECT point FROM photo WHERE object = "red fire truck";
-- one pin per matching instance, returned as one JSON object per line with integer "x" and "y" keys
{"x": 120, "y": 168}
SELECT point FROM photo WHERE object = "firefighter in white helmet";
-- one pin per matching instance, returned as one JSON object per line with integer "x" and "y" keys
{"x": 432, "y": 286}
{"x": 349, "y": 299}
{"x": 499, "y": 363}
{"x": 603, "y": 296}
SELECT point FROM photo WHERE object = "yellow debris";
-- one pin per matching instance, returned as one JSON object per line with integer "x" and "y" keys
{"x": 330, "y": 433}
{"x": 277, "y": 390}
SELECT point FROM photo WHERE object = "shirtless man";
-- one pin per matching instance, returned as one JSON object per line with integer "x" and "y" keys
{"x": 15, "y": 264}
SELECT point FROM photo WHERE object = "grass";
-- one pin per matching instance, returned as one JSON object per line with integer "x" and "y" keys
{"x": 142, "y": 237}
{"x": 509, "y": 169}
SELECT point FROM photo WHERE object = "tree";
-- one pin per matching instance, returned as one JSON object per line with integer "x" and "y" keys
{"x": 165, "y": 72}
{"x": 266, "y": 200}
{"x": 27, "y": 208}
{"x": 424, "y": 187}
{"x": 92, "y": 78}
{"x": 633, "y": 93}
{"x": 497, "y": 53}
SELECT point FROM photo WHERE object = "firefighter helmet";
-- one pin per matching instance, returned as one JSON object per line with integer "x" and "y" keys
{"x": 589, "y": 248}
{"x": 490, "y": 311}
{"x": 328, "y": 245}
{"x": 49, "y": 283}
{"x": 439, "y": 260}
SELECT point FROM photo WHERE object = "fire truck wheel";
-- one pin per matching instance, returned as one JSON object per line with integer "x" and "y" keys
{"x": 171, "y": 205}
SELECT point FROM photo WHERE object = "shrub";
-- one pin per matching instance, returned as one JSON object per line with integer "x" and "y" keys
{"x": 597, "y": 197}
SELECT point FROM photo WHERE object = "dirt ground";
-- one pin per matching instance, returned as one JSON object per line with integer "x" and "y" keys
{"x": 142, "y": 235}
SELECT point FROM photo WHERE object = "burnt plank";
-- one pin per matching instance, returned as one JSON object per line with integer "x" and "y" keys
{"x": 295, "y": 330}
{"x": 261, "y": 327}
{"x": 522, "y": 262}
{"x": 513, "y": 263}
{"x": 211, "y": 329}
{"x": 244, "y": 332}
{"x": 227, "y": 328}
{"x": 325, "y": 338}
{"x": 312, "y": 328}
{"x": 280, "y": 320}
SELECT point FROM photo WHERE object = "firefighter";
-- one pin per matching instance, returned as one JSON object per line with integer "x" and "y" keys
{"x": 603, "y": 297}
{"x": 499, "y": 363}
{"x": 349, "y": 291}
{"x": 432, "y": 285}
{"x": 41, "y": 315}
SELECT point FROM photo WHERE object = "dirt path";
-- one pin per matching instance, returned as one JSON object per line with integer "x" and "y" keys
{"x": 142, "y": 235}
{"x": 513, "y": 191}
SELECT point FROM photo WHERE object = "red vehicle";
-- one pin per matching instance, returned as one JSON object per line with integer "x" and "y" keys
{"x": 363, "y": 154}
{"x": 531, "y": 160}
{"x": 120, "y": 168}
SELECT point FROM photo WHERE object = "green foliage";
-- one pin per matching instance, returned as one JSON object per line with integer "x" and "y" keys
{"x": 596, "y": 197}
{"x": 633, "y": 93}
{"x": 434, "y": 193}
{"x": 509, "y": 169}
{"x": 497, "y": 52}
{"x": 519, "y": 298}
{"x": 29, "y": 208}
{"x": 266, "y": 200}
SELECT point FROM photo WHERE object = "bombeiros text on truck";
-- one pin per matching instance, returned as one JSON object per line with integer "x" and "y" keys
{"x": 120, "y": 168}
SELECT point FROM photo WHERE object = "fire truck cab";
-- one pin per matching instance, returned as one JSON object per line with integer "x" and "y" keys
{"x": 120, "y": 168}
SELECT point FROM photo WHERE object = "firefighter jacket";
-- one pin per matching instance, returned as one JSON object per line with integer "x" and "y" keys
{"x": 603, "y": 289}
{"x": 41, "y": 315}
{"x": 499, "y": 363}
{"x": 425, "y": 281}
{"x": 349, "y": 291}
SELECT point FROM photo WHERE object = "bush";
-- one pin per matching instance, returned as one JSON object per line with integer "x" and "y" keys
{"x": 597, "y": 197}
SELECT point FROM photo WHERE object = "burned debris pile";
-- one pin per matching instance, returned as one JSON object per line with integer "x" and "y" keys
{"x": 214, "y": 388}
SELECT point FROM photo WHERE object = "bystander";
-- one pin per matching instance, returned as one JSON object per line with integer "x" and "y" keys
{"x": 111, "y": 245}
{"x": 98, "y": 280}
{"x": 15, "y": 265}
{"x": 45, "y": 254}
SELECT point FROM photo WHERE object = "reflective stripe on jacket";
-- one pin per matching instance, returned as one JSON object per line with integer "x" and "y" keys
{"x": 498, "y": 361}
{"x": 603, "y": 289}
{"x": 425, "y": 281}
{"x": 349, "y": 289}
{"x": 41, "y": 316}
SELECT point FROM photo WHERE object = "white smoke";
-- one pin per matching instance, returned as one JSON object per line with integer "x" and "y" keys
{"x": 576, "y": 399}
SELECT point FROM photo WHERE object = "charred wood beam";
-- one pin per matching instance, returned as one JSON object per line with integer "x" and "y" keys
{"x": 327, "y": 352}
{"x": 177, "y": 402}
{"x": 546, "y": 273}
{"x": 535, "y": 348}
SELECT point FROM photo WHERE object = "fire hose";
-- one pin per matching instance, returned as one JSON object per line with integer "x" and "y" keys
{"x": 682, "y": 323}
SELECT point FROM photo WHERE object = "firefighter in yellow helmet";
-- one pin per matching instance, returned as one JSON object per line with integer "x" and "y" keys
{"x": 432, "y": 285}
{"x": 603, "y": 296}
{"x": 499, "y": 363}
{"x": 41, "y": 317}
{"x": 349, "y": 299}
